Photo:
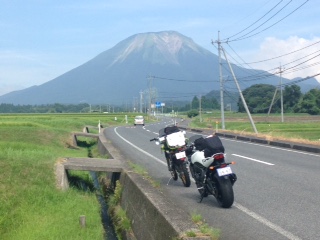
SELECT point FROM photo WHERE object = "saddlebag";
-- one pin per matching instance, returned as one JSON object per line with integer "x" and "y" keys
{"x": 171, "y": 129}
{"x": 210, "y": 145}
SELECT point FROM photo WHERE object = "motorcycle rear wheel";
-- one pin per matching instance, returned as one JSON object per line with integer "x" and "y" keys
{"x": 185, "y": 176}
{"x": 224, "y": 196}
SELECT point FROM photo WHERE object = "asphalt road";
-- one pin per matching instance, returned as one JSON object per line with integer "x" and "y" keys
{"x": 277, "y": 193}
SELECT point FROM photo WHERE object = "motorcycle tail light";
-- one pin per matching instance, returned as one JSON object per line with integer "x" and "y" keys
{"x": 218, "y": 157}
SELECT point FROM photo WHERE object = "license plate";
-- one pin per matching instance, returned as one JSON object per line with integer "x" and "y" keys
{"x": 180, "y": 155}
{"x": 224, "y": 171}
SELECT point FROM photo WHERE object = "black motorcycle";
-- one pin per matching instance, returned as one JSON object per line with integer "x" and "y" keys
{"x": 213, "y": 176}
{"x": 173, "y": 144}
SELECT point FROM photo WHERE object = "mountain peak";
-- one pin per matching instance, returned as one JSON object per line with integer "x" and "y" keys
{"x": 165, "y": 45}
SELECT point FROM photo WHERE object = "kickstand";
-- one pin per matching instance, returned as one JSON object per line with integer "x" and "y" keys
{"x": 201, "y": 198}
{"x": 169, "y": 181}
{"x": 202, "y": 195}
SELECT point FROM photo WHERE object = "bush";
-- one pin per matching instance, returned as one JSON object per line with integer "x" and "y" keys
{"x": 193, "y": 113}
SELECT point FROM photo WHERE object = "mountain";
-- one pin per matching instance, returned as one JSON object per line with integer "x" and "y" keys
{"x": 166, "y": 61}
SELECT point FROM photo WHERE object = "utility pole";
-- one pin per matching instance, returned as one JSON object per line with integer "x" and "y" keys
{"x": 282, "y": 118}
{"x": 240, "y": 92}
{"x": 281, "y": 95}
{"x": 200, "y": 108}
{"x": 134, "y": 108}
{"x": 221, "y": 83}
{"x": 150, "y": 78}
{"x": 274, "y": 96}
{"x": 141, "y": 101}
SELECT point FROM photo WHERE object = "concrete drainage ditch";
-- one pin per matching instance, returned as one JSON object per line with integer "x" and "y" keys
{"x": 152, "y": 215}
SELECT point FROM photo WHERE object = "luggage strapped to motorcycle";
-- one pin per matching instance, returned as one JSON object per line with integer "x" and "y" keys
{"x": 171, "y": 129}
{"x": 209, "y": 145}
{"x": 176, "y": 139}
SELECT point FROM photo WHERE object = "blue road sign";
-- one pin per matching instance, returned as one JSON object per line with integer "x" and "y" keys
{"x": 158, "y": 104}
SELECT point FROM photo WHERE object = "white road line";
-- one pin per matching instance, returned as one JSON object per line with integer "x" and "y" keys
{"x": 148, "y": 154}
{"x": 252, "y": 159}
{"x": 268, "y": 146}
{"x": 266, "y": 222}
{"x": 243, "y": 209}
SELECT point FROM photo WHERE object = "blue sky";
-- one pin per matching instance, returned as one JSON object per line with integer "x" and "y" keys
{"x": 40, "y": 40}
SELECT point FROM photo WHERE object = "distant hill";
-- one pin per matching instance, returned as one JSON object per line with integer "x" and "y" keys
{"x": 180, "y": 68}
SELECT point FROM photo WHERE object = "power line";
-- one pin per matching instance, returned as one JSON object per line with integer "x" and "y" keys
{"x": 266, "y": 74}
{"x": 245, "y": 36}
{"x": 184, "y": 80}
{"x": 284, "y": 54}
{"x": 301, "y": 62}
{"x": 255, "y": 21}
{"x": 263, "y": 74}
{"x": 300, "y": 80}
{"x": 303, "y": 67}
{"x": 242, "y": 37}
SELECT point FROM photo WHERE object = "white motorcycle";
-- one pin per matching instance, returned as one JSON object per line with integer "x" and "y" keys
{"x": 211, "y": 173}
{"x": 173, "y": 144}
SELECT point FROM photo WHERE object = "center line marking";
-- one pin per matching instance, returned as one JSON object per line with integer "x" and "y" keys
{"x": 252, "y": 159}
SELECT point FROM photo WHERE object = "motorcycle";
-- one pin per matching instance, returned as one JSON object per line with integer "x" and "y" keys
{"x": 212, "y": 174}
{"x": 173, "y": 144}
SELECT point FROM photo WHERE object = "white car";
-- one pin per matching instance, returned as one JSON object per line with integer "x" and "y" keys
{"x": 139, "y": 120}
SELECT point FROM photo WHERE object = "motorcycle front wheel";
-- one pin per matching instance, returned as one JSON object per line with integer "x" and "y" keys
{"x": 224, "y": 193}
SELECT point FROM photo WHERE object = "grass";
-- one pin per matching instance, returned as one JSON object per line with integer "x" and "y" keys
{"x": 296, "y": 127}
{"x": 205, "y": 230}
{"x": 144, "y": 173}
{"x": 31, "y": 205}
{"x": 117, "y": 213}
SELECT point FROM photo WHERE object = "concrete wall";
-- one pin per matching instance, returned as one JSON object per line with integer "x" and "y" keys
{"x": 153, "y": 216}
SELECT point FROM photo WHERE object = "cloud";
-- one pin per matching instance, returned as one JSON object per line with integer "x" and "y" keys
{"x": 299, "y": 57}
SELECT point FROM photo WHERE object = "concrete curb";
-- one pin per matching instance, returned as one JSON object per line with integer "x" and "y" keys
{"x": 275, "y": 143}
{"x": 283, "y": 144}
